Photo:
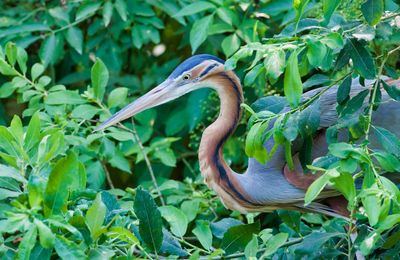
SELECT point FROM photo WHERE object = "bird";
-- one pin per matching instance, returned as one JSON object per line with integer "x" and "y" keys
{"x": 262, "y": 187}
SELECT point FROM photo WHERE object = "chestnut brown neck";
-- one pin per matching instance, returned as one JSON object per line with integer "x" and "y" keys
{"x": 212, "y": 164}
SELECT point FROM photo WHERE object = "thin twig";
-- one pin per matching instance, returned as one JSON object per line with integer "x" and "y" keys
{"x": 141, "y": 147}
{"x": 108, "y": 177}
{"x": 146, "y": 159}
{"x": 189, "y": 167}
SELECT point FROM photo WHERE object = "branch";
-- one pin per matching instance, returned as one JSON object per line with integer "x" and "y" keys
{"x": 146, "y": 159}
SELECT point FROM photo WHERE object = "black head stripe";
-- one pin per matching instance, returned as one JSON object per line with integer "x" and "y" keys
{"x": 210, "y": 67}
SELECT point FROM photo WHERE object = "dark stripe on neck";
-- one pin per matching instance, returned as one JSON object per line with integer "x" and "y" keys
{"x": 216, "y": 157}
{"x": 210, "y": 67}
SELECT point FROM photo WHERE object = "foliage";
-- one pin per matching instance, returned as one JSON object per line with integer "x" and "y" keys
{"x": 67, "y": 191}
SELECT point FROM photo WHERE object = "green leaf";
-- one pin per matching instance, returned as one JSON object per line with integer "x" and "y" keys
{"x": 203, "y": 233}
{"x": 362, "y": 59}
{"x": 313, "y": 242}
{"x": 47, "y": 50}
{"x": 36, "y": 71}
{"x": 95, "y": 217}
{"x": 199, "y": 31}
{"x": 254, "y": 142}
{"x": 274, "y": 243}
{"x": 253, "y": 74}
{"x": 190, "y": 208}
{"x": 6, "y": 69}
{"x": 333, "y": 40}
{"x": 123, "y": 234}
{"x": 319, "y": 184}
{"x": 373, "y": 205}
{"x": 393, "y": 91}
{"x": 274, "y": 63}
{"x": 251, "y": 249}
{"x": 27, "y": 244}
{"x": 10, "y": 172}
{"x": 36, "y": 187}
{"x": 176, "y": 219}
{"x": 22, "y": 58}
{"x": 150, "y": 222}
{"x": 194, "y": 8}
{"x": 341, "y": 150}
{"x": 74, "y": 37}
{"x": 388, "y": 161}
{"x": 117, "y": 97}
{"x": 389, "y": 141}
{"x": 11, "y": 52}
{"x": 85, "y": 111}
{"x": 292, "y": 86}
{"x": 16, "y": 129}
{"x": 7, "y": 142}
{"x": 345, "y": 184}
{"x": 316, "y": 52}
{"x": 67, "y": 249}
{"x": 46, "y": 237}
{"x": 99, "y": 77}
{"x": 85, "y": 10}
{"x": 65, "y": 97}
{"x": 237, "y": 237}
{"x": 343, "y": 91}
{"x": 107, "y": 13}
{"x": 309, "y": 119}
{"x": 5, "y": 194}
{"x": 372, "y": 11}
{"x": 329, "y": 7}
{"x": 354, "y": 104}
{"x": 230, "y": 44}
{"x": 121, "y": 8}
{"x": 167, "y": 156}
{"x": 228, "y": 16}
{"x": 58, "y": 185}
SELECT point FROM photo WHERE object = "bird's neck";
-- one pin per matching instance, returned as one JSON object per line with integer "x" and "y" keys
{"x": 216, "y": 172}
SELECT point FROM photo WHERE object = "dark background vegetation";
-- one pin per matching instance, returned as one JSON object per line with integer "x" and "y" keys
{"x": 67, "y": 65}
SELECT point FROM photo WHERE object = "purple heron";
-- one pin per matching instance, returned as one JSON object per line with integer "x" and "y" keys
{"x": 262, "y": 187}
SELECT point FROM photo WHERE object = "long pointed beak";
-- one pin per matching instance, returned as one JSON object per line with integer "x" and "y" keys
{"x": 155, "y": 97}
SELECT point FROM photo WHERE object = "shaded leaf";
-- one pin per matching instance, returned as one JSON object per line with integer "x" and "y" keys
{"x": 389, "y": 141}
{"x": 237, "y": 237}
{"x": 372, "y": 11}
{"x": 150, "y": 223}
{"x": 362, "y": 59}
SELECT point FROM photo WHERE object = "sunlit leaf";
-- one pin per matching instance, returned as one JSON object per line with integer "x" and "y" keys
{"x": 99, "y": 77}
{"x": 292, "y": 85}
{"x": 199, "y": 31}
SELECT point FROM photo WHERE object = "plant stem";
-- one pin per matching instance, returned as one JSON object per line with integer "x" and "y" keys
{"x": 139, "y": 141}
{"x": 147, "y": 161}
{"x": 108, "y": 177}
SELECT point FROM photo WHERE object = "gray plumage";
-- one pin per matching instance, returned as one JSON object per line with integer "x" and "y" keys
{"x": 269, "y": 177}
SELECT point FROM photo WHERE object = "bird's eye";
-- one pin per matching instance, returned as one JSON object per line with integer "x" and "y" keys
{"x": 186, "y": 77}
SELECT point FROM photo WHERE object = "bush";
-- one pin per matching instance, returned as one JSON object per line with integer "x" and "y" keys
{"x": 135, "y": 190}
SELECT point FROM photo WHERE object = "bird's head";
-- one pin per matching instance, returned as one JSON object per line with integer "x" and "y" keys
{"x": 190, "y": 75}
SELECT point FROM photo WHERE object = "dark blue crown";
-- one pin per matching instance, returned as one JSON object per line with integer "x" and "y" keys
{"x": 193, "y": 62}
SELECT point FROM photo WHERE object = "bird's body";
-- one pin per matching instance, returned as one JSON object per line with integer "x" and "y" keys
{"x": 263, "y": 187}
